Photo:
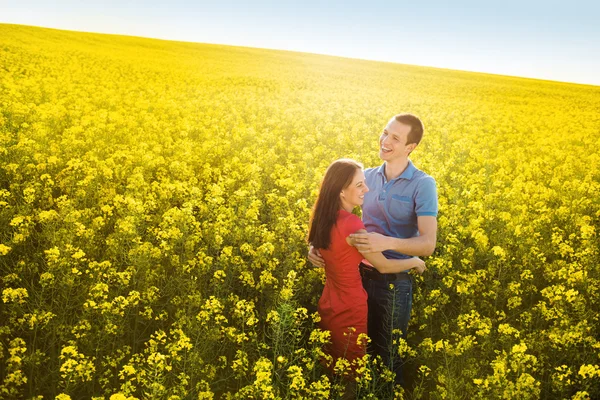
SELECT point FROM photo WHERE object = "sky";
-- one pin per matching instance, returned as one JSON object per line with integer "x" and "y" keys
{"x": 553, "y": 40}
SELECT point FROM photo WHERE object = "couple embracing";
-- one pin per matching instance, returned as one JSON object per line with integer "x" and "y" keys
{"x": 368, "y": 288}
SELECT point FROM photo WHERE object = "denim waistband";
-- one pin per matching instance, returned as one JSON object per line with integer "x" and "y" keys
{"x": 368, "y": 272}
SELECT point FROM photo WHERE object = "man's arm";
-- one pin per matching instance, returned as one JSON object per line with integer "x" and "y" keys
{"x": 422, "y": 245}
{"x": 314, "y": 256}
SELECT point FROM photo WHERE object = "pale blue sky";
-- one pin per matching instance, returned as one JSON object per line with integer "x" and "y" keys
{"x": 556, "y": 40}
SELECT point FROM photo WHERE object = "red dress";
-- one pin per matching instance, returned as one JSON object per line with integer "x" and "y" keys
{"x": 343, "y": 303}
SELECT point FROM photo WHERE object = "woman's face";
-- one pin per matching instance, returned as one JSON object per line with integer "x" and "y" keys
{"x": 354, "y": 194}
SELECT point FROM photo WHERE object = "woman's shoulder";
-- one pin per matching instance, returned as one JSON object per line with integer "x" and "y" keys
{"x": 343, "y": 214}
{"x": 349, "y": 221}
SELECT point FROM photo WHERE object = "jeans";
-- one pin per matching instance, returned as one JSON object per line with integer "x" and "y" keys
{"x": 390, "y": 303}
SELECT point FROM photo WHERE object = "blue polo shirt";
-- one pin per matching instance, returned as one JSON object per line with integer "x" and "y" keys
{"x": 391, "y": 208}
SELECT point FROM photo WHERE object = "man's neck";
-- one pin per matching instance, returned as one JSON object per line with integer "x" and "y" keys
{"x": 395, "y": 169}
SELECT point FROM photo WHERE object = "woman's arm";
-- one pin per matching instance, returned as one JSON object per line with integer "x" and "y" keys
{"x": 388, "y": 266}
{"x": 422, "y": 245}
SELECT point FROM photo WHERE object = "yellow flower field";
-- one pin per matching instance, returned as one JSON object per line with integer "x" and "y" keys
{"x": 154, "y": 201}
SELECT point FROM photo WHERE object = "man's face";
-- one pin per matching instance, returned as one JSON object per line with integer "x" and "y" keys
{"x": 392, "y": 142}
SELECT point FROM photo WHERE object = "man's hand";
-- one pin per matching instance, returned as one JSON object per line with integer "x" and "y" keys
{"x": 314, "y": 256}
{"x": 369, "y": 242}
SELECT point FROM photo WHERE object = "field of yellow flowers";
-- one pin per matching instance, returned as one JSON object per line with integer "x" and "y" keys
{"x": 154, "y": 200}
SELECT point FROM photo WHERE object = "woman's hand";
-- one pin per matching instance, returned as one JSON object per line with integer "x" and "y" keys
{"x": 419, "y": 265}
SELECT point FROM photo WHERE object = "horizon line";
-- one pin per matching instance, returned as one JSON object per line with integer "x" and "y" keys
{"x": 306, "y": 52}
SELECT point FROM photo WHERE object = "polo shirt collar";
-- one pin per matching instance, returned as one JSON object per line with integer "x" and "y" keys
{"x": 406, "y": 174}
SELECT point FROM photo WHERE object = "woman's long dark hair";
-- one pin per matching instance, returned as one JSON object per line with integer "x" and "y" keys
{"x": 324, "y": 214}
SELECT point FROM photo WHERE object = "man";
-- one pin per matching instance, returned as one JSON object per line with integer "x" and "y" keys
{"x": 399, "y": 212}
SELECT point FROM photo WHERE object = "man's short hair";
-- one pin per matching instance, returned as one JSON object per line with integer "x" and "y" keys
{"x": 416, "y": 127}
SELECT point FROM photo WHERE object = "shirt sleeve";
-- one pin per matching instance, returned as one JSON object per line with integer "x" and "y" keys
{"x": 426, "y": 201}
{"x": 352, "y": 224}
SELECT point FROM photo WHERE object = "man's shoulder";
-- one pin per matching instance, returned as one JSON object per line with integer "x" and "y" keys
{"x": 423, "y": 177}
{"x": 372, "y": 170}
{"x": 370, "y": 173}
{"x": 424, "y": 185}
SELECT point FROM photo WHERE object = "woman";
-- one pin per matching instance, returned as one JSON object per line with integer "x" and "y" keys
{"x": 343, "y": 304}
